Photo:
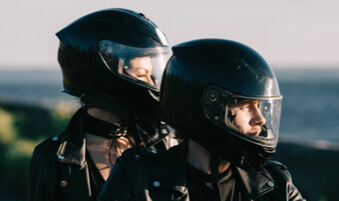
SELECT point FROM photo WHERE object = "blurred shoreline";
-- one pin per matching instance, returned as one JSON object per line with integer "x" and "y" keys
{"x": 309, "y": 108}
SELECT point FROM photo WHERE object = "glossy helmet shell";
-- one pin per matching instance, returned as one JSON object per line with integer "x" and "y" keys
{"x": 229, "y": 65}
{"x": 86, "y": 75}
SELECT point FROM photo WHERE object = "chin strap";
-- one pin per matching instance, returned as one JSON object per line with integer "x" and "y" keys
{"x": 214, "y": 165}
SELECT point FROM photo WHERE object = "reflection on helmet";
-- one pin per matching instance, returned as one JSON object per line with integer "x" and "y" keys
{"x": 143, "y": 66}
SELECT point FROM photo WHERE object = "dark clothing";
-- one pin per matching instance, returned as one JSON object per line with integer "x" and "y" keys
{"x": 60, "y": 169}
{"x": 141, "y": 175}
{"x": 200, "y": 187}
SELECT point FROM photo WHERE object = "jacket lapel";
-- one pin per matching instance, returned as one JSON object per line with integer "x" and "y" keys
{"x": 72, "y": 149}
{"x": 256, "y": 184}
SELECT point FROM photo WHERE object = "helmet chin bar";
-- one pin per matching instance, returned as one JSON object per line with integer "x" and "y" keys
{"x": 259, "y": 162}
{"x": 240, "y": 153}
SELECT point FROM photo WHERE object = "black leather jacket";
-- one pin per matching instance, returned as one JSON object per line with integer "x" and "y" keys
{"x": 142, "y": 175}
{"x": 59, "y": 169}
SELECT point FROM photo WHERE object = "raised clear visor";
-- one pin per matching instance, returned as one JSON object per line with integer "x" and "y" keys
{"x": 143, "y": 66}
{"x": 255, "y": 119}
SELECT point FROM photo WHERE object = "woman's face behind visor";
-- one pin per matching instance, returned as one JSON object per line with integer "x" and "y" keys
{"x": 141, "y": 68}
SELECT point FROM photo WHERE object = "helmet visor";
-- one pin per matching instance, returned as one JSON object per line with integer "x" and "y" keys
{"x": 254, "y": 119}
{"x": 143, "y": 66}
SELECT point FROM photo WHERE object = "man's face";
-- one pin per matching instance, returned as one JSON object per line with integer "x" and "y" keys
{"x": 247, "y": 117}
{"x": 141, "y": 68}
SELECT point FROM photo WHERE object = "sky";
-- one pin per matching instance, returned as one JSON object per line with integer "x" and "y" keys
{"x": 287, "y": 33}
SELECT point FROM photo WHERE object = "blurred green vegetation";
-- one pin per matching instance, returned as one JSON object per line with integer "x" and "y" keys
{"x": 22, "y": 127}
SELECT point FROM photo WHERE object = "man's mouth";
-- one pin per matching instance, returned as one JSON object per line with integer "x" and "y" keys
{"x": 255, "y": 132}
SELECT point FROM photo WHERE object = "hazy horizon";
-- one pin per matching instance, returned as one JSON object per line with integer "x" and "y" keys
{"x": 287, "y": 33}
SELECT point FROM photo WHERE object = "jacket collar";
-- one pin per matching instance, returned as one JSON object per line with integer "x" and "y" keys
{"x": 171, "y": 175}
{"x": 255, "y": 184}
{"x": 72, "y": 147}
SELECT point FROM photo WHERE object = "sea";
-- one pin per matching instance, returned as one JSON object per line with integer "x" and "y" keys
{"x": 310, "y": 110}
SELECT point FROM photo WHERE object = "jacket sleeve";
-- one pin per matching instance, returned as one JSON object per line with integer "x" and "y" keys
{"x": 118, "y": 186}
{"x": 294, "y": 194}
{"x": 41, "y": 179}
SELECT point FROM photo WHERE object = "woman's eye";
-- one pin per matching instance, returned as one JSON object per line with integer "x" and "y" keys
{"x": 141, "y": 75}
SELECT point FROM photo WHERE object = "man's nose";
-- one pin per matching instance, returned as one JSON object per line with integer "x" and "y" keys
{"x": 257, "y": 118}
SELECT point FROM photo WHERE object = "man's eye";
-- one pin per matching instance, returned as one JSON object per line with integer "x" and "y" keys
{"x": 258, "y": 105}
{"x": 244, "y": 107}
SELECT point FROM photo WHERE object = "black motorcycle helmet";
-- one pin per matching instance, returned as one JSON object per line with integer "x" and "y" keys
{"x": 203, "y": 81}
{"x": 114, "y": 59}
